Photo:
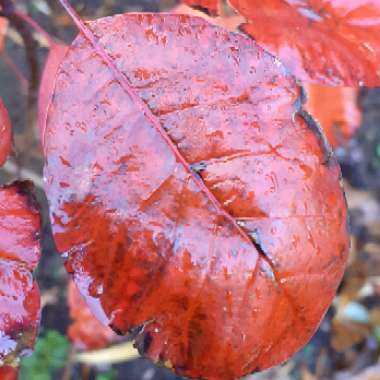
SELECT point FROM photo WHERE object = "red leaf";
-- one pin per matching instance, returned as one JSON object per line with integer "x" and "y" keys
{"x": 19, "y": 254}
{"x": 336, "y": 110}
{"x": 331, "y": 42}
{"x": 3, "y": 30}
{"x": 210, "y": 6}
{"x": 5, "y": 133}
{"x": 56, "y": 55}
{"x": 206, "y": 211}
{"x": 86, "y": 332}
{"x": 8, "y": 373}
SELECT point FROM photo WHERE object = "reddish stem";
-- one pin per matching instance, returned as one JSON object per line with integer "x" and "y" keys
{"x": 221, "y": 9}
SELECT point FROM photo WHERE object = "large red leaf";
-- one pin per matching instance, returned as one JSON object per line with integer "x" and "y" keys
{"x": 334, "y": 42}
{"x": 5, "y": 133}
{"x": 19, "y": 254}
{"x": 209, "y": 212}
{"x": 56, "y": 53}
{"x": 86, "y": 332}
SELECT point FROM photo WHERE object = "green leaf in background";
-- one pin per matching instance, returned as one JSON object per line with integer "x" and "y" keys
{"x": 50, "y": 355}
{"x": 109, "y": 375}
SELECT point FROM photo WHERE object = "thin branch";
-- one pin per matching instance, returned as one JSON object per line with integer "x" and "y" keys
{"x": 9, "y": 11}
{"x": 35, "y": 25}
{"x": 20, "y": 76}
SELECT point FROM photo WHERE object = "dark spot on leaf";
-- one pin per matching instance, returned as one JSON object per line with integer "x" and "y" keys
{"x": 329, "y": 158}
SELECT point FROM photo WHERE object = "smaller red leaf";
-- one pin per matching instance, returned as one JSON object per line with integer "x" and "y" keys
{"x": 19, "y": 254}
{"x": 5, "y": 133}
{"x": 331, "y": 42}
{"x": 210, "y": 6}
{"x": 56, "y": 54}
{"x": 336, "y": 110}
{"x": 86, "y": 332}
{"x": 3, "y": 30}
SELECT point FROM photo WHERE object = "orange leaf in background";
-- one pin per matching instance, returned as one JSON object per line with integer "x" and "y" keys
{"x": 345, "y": 334}
{"x": 86, "y": 332}
{"x": 189, "y": 194}
{"x": 19, "y": 255}
{"x": 231, "y": 22}
{"x": 5, "y": 133}
{"x": 3, "y": 31}
{"x": 211, "y": 6}
{"x": 331, "y": 42}
{"x": 336, "y": 109}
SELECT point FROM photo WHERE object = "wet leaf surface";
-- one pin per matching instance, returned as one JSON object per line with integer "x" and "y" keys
{"x": 5, "y": 133}
{"x": 331, "y": 42}
{"x": 214, "y": 218}
{"x": 19, "y": 255}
